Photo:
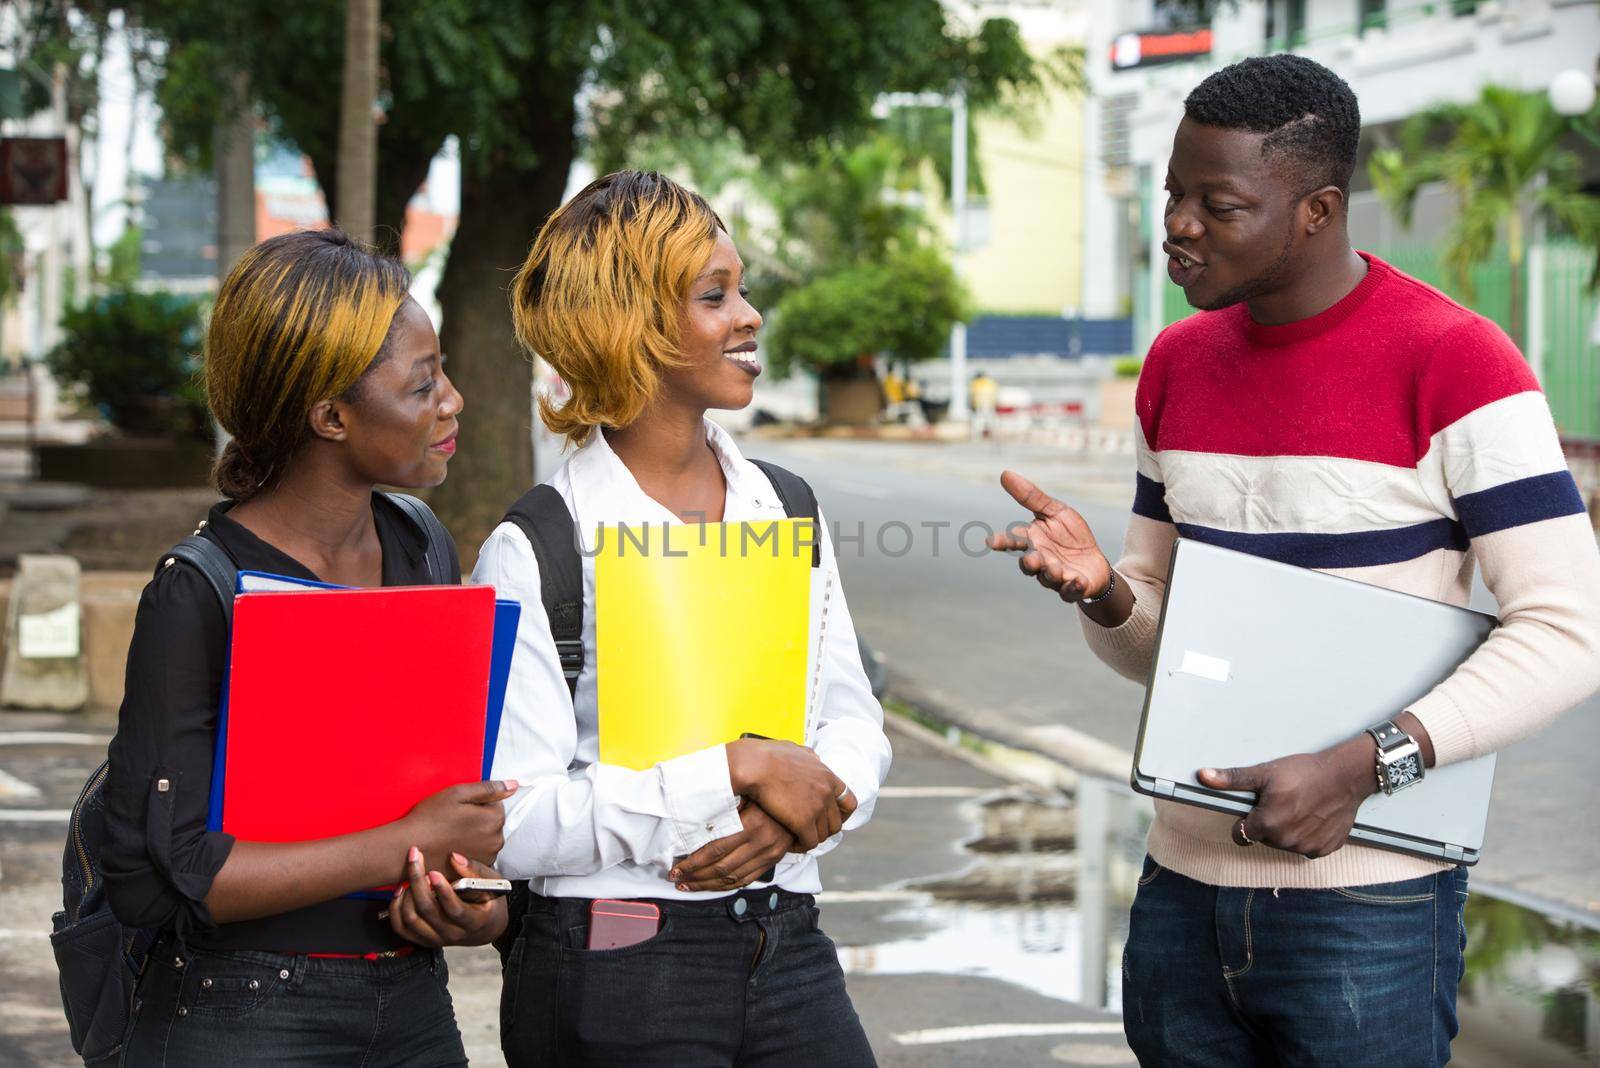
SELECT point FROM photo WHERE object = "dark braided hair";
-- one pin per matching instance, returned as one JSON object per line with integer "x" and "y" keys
{"x": 1309, "y": 114}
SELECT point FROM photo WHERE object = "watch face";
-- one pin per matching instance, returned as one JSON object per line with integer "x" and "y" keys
{"x": 1405, "y": 770}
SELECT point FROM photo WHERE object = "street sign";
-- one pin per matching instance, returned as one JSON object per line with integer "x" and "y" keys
{"x": 1148, "y": 49}
{"x": 33, "y": 170}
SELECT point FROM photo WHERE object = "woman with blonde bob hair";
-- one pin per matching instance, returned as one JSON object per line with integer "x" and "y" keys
{"x": 634, "y": 293}
{"x": 329, "y": 378}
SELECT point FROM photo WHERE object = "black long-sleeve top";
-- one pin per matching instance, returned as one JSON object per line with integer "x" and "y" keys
{"x": 158, "y": 859}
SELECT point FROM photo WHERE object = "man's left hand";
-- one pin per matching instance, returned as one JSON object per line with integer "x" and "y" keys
{"x": 1305, "y": 803}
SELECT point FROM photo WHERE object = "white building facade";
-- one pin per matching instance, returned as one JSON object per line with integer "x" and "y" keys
{"x": 1399, "y": 56}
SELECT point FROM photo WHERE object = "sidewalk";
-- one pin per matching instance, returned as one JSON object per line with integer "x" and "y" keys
{"x": 959, "y": 938}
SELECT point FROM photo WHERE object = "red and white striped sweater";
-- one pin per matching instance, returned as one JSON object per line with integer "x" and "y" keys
{"x": 1396, "y": 438}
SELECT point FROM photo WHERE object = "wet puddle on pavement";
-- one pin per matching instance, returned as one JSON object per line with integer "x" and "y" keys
{"x": 1044, "y": 904}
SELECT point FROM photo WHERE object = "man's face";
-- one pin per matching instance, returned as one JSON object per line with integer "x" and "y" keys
{"x": 1231, "y": 218}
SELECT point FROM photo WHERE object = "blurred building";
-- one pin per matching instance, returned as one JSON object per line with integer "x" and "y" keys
{"x": 1022, "y": 253}
{"x": 1398, "y": 55}
{"x": 1023, "y": 242}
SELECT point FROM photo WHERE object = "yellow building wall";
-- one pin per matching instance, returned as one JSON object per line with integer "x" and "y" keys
{"x": 1033, "y": 174}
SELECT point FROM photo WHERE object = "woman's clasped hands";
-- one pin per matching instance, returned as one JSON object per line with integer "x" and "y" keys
{"x": 790, "y": 802}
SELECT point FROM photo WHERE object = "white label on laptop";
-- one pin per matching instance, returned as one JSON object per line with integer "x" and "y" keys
{"x": 1202, "y": 666}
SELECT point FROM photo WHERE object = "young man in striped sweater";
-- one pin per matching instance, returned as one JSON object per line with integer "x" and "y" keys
{"x": 1326, "y": 410}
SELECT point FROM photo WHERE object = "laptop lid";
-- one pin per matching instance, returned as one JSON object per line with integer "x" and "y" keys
{"x": 1257, "y": 660}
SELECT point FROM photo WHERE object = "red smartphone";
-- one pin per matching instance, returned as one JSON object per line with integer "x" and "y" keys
{"x": 614, "y": 924}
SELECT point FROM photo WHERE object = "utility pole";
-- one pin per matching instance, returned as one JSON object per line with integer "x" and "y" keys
{"x": 358, "y": 134}
{"x": 957, "y": 103}
{"x": 52, "y": 293}
{"x": 958, "y": 214}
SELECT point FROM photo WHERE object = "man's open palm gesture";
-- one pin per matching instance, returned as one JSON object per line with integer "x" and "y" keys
{"x": 1057, "y": 547}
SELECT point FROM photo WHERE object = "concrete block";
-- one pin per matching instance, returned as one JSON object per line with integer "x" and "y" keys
{"x": 110, "y": 601}
{"x": 44, "y": 662}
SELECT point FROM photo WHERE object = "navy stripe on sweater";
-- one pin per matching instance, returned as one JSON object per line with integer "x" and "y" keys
{"x": 1150, "y": 499}
{"x": 1364, "y": 548}
{"x": 1513, "y": 504}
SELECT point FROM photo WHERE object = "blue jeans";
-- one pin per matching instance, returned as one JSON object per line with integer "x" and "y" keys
{"x": 1229, "y": 976}
{"x": 243, "y": 1008}
{"x": 744, "y": 980}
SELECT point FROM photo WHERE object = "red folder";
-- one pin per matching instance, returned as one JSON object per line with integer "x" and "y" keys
{"x": 344, "y": 708}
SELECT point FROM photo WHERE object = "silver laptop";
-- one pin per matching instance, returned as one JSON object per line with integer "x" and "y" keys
{"x": 1257, "y": 660}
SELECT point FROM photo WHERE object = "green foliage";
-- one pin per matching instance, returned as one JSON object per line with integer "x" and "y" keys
{"x": 11, "y": 250}
{"x": 1503, "y": 157}
{"x": 49, "y": 32}
{"x": 903, "y": 305}
{"x": 790, "y": 79}
{"x": 1128, "y": 366}
{"x": 124, "y": 257}
{"x": 135, "y": 354}
{"x": 781, "y": 81}
{"x": 832, "y": 210}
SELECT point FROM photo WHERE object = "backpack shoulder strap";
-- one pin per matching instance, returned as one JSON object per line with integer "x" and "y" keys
{"x": 542, "y": 515}
{"x": 206, "y": 557}
{"x": 798, "y": 500}
{"x": 443, "y": 565}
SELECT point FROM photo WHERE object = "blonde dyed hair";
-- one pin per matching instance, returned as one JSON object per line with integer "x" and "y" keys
{"x": 600, "y": 295}
{"x": 299, "y": 319}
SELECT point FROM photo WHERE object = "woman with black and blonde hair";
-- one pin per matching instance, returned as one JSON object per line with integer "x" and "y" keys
{"x": 634, "y": 293}
{"x": 329, "y": 378}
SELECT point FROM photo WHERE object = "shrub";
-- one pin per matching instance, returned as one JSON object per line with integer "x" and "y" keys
{"x": 903, "y": 305}
{"x": 136, "y": 355}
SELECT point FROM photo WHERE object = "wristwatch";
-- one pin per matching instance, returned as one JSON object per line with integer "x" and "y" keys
{"x": 1399, "y": 757}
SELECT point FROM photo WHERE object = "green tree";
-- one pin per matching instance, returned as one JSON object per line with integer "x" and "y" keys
{"x": 505, "y": 77}
{"x": 903, "y": 304}
{"x": 1503, "y": 156}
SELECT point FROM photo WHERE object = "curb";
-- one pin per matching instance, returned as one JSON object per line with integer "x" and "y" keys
{"x": 1074, "y": 751}
{"x": 1001, "y": 762}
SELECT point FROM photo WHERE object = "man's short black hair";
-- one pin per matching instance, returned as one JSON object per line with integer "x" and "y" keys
{"x": 1309, "y": 114}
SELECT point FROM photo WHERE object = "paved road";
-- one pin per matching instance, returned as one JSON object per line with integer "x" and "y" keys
{"x": 989, "y": 650}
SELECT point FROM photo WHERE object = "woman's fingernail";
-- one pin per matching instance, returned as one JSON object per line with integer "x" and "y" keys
{"x": 1210, "y": 773}
{"x": 415, "y": 855}
{"x": 459, "y": 859}
{"x": 674, "y": 875}
{"x": 436, "y": 879}
{"x": 399, "y": 890}
{"x": 683, "y": 889}
{"x": 511, "y": 784}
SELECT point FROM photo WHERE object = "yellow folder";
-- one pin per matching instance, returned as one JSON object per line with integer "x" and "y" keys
{"x": 700, "y": 635}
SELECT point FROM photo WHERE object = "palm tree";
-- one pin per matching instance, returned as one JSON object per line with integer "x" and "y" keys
{"x": 1503, "y": 158}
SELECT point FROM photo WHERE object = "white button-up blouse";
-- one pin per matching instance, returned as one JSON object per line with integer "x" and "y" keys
{"x": 580, "y": 828}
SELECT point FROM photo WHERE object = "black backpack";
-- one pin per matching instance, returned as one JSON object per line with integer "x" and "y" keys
{"x": 99, "y": 959}
{"x": 542, "y": 515}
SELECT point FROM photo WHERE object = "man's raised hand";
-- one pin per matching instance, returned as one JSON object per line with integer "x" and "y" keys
{"x": 1057, "y": 546}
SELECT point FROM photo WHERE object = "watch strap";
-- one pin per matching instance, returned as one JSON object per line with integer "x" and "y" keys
{"x": 1388, "y": 735}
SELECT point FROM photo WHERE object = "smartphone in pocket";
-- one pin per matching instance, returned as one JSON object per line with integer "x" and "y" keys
{"x": 615, "y": 924}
